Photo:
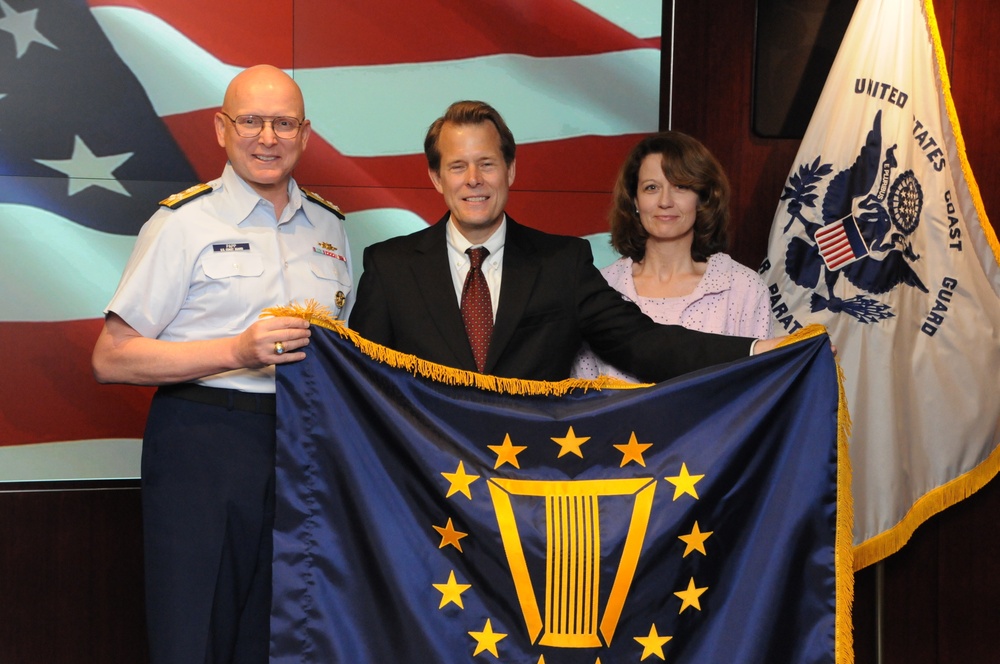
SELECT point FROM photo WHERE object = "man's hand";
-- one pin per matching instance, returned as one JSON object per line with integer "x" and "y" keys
{"x": 258, "y": 347}
{"x": 764, "y": 345}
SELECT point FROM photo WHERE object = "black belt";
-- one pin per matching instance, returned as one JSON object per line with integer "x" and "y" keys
{"x": 251, "y": 402}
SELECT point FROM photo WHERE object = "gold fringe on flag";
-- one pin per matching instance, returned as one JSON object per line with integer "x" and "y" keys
{"x": 844, "y": 549}
{"x": 320, "y": 315}
{"x": 844, "y": 552}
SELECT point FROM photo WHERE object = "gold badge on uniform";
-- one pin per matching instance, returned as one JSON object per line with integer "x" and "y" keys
{"x": 340, "y": 299}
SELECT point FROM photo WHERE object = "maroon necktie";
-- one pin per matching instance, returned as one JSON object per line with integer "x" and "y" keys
{"x": 477, "y": 311}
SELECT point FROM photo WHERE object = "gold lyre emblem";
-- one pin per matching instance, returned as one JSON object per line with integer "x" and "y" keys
{"x": 570, "y": 616}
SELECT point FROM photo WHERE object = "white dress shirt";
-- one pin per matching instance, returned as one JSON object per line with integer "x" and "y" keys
{"x": 492, "y": 266}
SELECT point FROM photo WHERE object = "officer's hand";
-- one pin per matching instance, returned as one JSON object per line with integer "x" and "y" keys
{"x": 273, "y": 341}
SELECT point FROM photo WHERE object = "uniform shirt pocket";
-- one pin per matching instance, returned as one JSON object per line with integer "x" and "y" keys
{"x": 332, "y": 270}
{"x": 228, "y": 264}
{"x": 336, "y": 281}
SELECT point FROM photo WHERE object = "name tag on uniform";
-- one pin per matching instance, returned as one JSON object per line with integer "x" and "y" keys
{"x": 232, "y": 246}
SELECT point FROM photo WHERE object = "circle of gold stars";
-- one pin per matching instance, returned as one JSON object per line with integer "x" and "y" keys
{"x": 460, "y": 482}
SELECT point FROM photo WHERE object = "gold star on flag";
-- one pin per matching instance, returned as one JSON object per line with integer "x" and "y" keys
{"x": 691, "y": 595}
{"x": 570, "y": 443}
{"x": 451, "y": 536}
{"x": 652, "y": 644}
{"x": 695, "y": 541}
{"x": 460, "y": 481}
{"x": 451, "y": 592}
{"x": 507, "y": 453}
{"x": 684, "y": 483}
{"x": 487, "y": 640}
{"x": 633, "y": 451}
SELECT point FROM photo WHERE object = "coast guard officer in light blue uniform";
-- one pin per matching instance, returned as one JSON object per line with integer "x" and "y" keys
{"x": 185, "y": 317}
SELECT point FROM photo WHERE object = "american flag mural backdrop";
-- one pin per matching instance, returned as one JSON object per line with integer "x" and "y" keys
{"x": 106, "y": 108}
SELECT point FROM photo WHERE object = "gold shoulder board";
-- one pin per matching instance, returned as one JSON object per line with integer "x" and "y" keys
{"x": 316, "y": 198}
{"x": 189, "y": 194}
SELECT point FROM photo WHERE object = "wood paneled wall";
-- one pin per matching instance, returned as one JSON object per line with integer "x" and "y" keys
{"x": 940, "y": 598}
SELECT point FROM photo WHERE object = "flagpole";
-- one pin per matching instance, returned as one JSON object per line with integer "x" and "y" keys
{"x": 670, "y": 85}
{"x": 879, "y": 583}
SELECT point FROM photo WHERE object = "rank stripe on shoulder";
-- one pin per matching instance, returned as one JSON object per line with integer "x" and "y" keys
{"x": 316, "y": 198}
{"x": 175, "y": 201}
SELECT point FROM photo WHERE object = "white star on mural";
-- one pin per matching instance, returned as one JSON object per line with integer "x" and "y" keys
{"x": 22, "y": 26}
{"x": 85, "y": 169}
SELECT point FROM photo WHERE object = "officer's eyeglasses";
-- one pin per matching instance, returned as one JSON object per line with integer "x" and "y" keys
{"x": 249, "y": 126}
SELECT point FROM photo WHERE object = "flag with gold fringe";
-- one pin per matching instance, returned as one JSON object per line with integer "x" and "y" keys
{"x": 881, "y": 237}
{"x": 432, "y": 515}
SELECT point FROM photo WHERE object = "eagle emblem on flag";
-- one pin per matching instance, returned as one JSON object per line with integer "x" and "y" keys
{"x": 862, "y": 231}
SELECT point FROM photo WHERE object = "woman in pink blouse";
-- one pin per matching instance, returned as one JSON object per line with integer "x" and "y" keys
{"x": 669, "y": 221}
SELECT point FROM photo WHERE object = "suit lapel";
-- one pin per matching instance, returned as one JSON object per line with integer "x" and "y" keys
{"x": 432, "y": 275}
{"x": 520, "y": 270}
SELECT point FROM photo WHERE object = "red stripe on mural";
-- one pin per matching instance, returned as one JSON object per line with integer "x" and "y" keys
{"x": 250, "y": 28}
{"x": 379, "y": 32}
{"x": 51, "y": 394}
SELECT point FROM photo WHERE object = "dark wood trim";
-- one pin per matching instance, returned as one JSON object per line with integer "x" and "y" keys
{"x": 71, "y": 573}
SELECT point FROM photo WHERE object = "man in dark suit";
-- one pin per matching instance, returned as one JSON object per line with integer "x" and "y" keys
{"x": 545, "y": 295}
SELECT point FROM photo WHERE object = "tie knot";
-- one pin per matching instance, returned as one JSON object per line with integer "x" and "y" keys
{"x": 477, "y": 255}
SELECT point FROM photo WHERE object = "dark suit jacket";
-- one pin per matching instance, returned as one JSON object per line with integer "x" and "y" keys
{"x": 551, "y": 300}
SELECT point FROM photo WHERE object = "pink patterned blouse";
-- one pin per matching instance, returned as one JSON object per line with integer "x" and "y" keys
{"x": 729, "y": 299}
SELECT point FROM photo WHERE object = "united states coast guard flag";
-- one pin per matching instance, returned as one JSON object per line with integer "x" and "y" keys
{"x": 431, "y": 515}
{"x": 881, "y": 237}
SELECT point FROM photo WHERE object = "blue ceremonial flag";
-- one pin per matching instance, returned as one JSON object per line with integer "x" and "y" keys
{"x": 430, "y": 515}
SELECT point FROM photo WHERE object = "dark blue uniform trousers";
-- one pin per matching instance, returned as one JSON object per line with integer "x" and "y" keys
{"x": 208, "y": 515}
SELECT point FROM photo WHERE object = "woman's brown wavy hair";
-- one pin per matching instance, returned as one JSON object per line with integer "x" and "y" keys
{"x": 686, "y": 162}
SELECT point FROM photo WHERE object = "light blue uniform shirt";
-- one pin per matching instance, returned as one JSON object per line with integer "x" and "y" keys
{"x": 208, "y": 268}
